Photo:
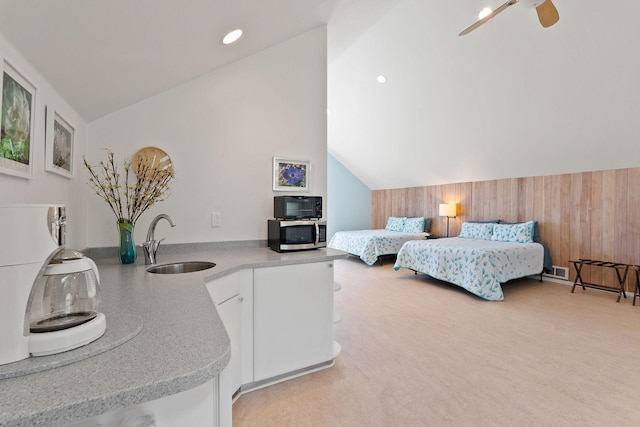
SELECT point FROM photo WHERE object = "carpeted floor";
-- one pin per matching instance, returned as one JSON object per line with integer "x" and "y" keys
{"x": 418, "y": 352}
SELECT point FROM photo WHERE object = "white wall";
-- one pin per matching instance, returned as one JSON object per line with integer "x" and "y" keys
{"x": 222, "y": 131}
{"x": 510, "y": 99}
{"x": 350, "y": 207}
{"x": 47, "y": 187}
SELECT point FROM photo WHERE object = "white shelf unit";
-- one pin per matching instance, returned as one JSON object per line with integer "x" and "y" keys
{"x": 337, "y": 348}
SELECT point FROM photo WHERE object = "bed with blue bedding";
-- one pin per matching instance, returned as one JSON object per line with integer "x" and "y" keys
{"x": 369, "y": 245}
{"x": 480, "y": 259}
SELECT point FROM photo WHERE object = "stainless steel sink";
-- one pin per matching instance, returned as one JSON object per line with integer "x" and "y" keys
{"x": 181, "y": 267}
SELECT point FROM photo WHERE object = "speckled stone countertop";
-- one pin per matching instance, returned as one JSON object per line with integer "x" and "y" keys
{"x": 182, "y": 343}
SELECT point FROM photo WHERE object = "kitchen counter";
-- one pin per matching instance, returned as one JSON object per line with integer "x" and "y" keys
{"x": 181, "y": 345}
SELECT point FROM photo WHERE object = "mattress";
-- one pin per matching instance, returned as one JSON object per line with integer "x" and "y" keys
{"x": 479, "y": 266}
{"x": 371, "y": 244}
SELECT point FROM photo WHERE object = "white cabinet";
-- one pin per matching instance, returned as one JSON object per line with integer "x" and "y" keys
{"x": 279, "y": 321}
{"x": 230, "y": 312}
{"x": 233, "y": 296}
{"x": 293, "y": 318}
{"x": 195, "y": 407}
{"x": 336, "y": 318}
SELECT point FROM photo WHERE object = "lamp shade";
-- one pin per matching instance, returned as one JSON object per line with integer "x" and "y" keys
{"x": 448, "y": 210}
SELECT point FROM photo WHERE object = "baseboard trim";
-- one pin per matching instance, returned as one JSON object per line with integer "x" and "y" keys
{"x": 246, "y": 388}
{"x": 566, "y": 282}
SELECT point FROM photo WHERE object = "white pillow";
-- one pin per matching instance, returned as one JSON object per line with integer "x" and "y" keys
{"x": 413, "y": 225}
{"x": 519, "y": 233}
{"x": 476, "y": 230}
{"x": 395, "y": 223}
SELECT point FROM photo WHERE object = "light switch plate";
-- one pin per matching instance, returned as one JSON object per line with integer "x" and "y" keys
{"x": 216, "y": 219}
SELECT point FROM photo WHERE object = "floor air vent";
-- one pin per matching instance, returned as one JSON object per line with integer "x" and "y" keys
{"x": 559, "y": 272}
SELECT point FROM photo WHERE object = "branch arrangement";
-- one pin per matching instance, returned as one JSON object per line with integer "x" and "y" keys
{"x": 144, "y": 184}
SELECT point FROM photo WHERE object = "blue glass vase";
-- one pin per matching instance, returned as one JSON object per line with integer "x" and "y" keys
{"x": 127, "y": 247}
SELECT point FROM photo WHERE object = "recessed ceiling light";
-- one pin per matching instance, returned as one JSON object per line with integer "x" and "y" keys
{"x": 232, "y": 36}
{"x": 381, "y": 79}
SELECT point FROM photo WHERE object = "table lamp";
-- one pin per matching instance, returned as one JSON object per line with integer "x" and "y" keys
{"x": 449, "y": 210}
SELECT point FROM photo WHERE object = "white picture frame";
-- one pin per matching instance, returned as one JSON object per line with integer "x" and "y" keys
{"x": 291, "y": 175}
{"x": 59, "y": 144}
{"x": 17, "y": 122}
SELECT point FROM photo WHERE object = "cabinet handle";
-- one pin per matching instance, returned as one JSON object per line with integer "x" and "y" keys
{"x": 240, "y": 299}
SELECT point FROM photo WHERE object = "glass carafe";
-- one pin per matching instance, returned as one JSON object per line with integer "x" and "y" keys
{"x": 67, "y": 295}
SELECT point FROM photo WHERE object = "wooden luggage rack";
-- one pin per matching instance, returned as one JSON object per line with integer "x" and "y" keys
{"x": 621, "y": 272}
{"x": 636, "y": 292}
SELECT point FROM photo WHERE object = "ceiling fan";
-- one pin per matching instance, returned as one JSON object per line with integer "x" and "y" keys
{"x": 547, "y": 13}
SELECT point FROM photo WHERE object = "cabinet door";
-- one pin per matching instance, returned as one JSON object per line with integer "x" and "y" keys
{"x": 233, "y": 297}
{"x": 293, "y": 318}
{"x": 230, "y": 312}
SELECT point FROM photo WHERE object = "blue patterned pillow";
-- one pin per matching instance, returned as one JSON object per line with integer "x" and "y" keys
{"x": 536, "y": 229}
{"x": 520, "y": 233}
{"x": 395, "y": 223}
{"x": 414, "y": 225}
{"x": 471, "y": 230}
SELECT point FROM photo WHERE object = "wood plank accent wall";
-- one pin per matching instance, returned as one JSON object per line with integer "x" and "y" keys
{"x": 592, "y": 215}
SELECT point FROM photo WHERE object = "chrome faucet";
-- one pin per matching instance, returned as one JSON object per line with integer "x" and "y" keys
{"x": 151, "y": 245}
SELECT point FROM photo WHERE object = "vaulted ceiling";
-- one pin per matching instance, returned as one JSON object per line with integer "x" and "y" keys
{"x": 105, "y": 55}
{"x": 510, "y": 99}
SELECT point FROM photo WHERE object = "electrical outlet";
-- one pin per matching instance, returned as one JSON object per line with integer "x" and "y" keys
{"x": 216, "y": 219}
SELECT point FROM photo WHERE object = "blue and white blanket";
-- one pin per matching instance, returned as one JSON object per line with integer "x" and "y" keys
{"x": 370, "y": 244}
{"x": 479, "y": 266}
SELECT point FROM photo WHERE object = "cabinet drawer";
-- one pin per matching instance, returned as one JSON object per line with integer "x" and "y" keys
{"x": 225, "y": 287}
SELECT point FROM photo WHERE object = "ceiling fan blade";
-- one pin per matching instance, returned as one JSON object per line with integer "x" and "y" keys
{"x": 488, "y": 17}
{"x": 547, "y": 14}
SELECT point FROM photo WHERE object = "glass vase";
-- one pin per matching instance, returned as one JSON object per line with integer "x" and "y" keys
{"x": 127, "y": 247}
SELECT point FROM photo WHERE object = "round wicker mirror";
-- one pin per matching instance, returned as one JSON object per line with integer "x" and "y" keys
{"x": 151, "y": 163}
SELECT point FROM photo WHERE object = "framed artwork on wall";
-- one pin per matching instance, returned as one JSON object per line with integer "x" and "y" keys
{"x": 59, "y": 143}
{"x": 17, "y": 104}
{"x": 290, "y": 175}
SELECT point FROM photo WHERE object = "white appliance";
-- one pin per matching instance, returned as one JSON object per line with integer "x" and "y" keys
{"x": 64, "y": 305}
{"x": 30, "y": 236}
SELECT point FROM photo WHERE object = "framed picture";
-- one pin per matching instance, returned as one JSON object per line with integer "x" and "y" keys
{"x": 17, "y": 104}
{"x": 290, "y": 175}
{"x": 59, "y": 144}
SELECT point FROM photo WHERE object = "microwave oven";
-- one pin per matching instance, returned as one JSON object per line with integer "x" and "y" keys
{"x": 298, "y": 235}
{"x": 297, "y": 207}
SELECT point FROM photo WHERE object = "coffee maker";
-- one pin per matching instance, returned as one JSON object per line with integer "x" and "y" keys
{"x": 64, "y": 305}
{"x": 30, "y": 237}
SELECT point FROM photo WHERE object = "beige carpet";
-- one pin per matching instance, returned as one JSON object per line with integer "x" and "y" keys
{"x": 417, "y": 352}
